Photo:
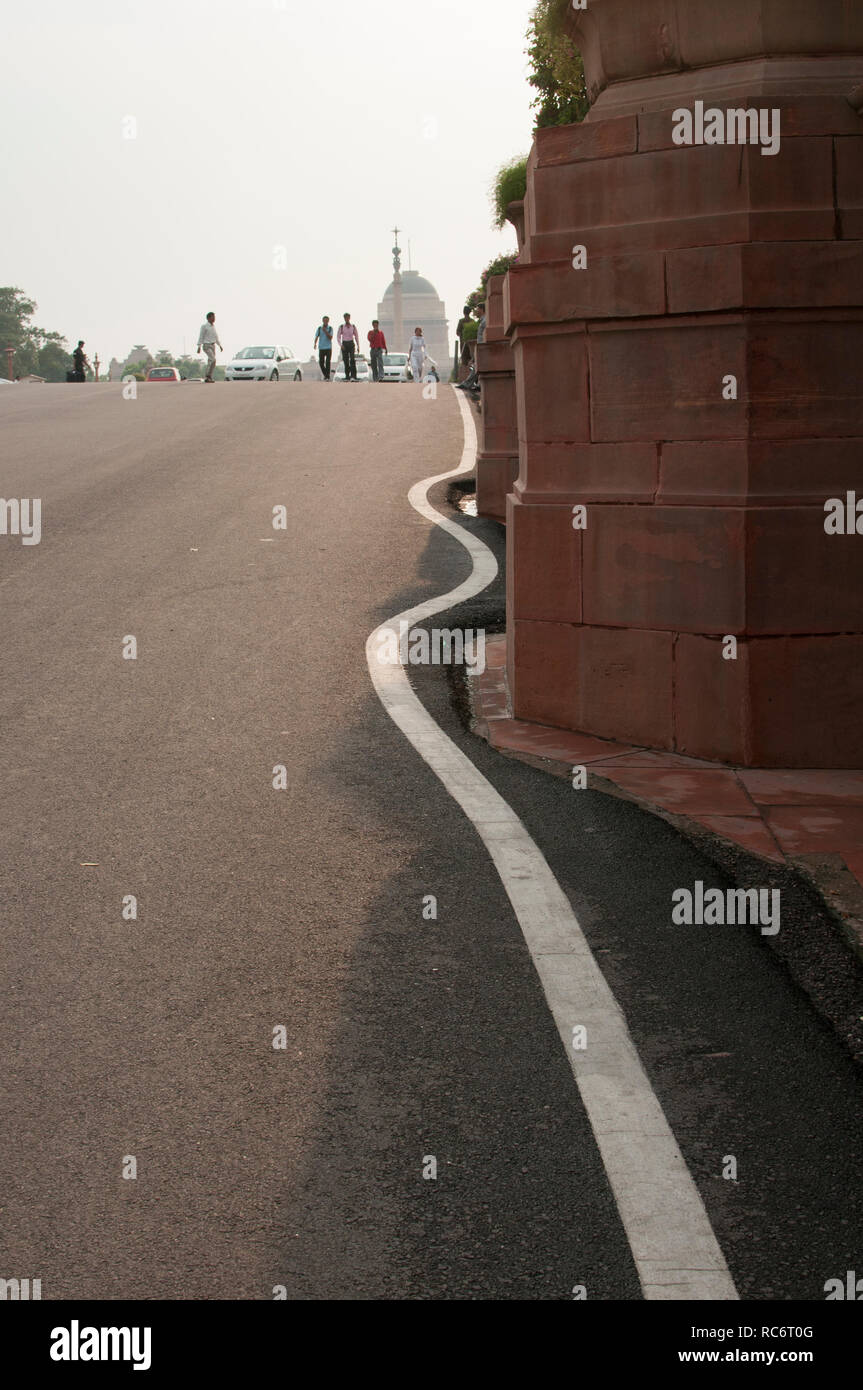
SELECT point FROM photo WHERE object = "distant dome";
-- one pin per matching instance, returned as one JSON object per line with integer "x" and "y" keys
{"x": 413, "y": 283}
{"x": 420, "y": 305}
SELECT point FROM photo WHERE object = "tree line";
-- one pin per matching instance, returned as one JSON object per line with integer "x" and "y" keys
{"x": 36, "y": 350}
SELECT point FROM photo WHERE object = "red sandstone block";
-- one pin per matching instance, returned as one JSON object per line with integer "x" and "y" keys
{"x": 805, "y": 695}
{"x": 628, "y": 40}
{"x": 568, "y": 144}
{"x": 609, "y": 287}
{"x": 626, "y": 238}
{"x": 752, "y": 28}
{"x": 818, "y": 115}
{"x": 666, "y": 187}
{"x": 800, "y": 116}
{"x": 749, "y": 832}
{"x": 709, "y": 472}
{"x": 658, "y": 383}
{"x": 704, "y": 278}
{"x": 494, "y": 307}
{"x": 543, "y": 564}
{"x": 680, "y": 568}
{"x": 710, "y": 699}
{"x": 495, "y": 475}
{"x": 625, "y": 685}
{"x": 819, "y": 830}
{"x": 526, "y": 253}
{"x": 685, "y": 792}
{"x": 804, "y": 377}
{"x": 791, "y": 225}
{"x": 785, "y": 702}
{"x": 771, "y": 471}
{"x": 543, "y": 667}
{"x": 495, "y": 356}
{"x": 499, "y": 424}
{"x": 551, "y": 384}
{"x": 636, "y": 188}
{"x": 849, "y": 185}
{"x": 589, "y": 472}
{"x": 804, "y": 787}
{"x": 799, "y": 579}
{"x": 799, "y": 178}
{"x": 779, "y": 275}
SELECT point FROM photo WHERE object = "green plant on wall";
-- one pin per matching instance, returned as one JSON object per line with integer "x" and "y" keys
{"x": 557, "y": 71}
{"x": 510, "y": 186}
{"x": 499, "y": 266}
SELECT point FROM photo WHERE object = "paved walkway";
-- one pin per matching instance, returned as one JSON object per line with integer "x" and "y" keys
{"x": 780, "y": 814}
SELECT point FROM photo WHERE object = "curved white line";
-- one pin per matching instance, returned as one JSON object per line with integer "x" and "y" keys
{"x": 672, "y": 1242}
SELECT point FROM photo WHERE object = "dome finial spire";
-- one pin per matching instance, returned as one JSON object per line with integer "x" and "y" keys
{"x": 397, "y": 256}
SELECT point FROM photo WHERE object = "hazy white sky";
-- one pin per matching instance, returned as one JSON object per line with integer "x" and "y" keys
{"x": 315, "y": 125}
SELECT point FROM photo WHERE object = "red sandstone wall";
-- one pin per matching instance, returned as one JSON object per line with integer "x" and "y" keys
{"x": 497, "y": 456}
{"x": 705, "y": 516}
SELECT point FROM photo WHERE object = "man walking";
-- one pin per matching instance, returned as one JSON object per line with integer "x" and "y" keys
{"x": 79, "y": 362}
{"x": 208, "y": 339}
{"x": 348, "y": 339}
{"x": 377, "y": 347}
{"x": 463, "y": 357}
{"x": 324, "y": 344}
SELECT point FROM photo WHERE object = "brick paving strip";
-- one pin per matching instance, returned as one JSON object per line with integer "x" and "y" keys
{"x": 811, "y": 819}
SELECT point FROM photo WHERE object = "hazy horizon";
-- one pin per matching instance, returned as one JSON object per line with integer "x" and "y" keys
{"x": 163, "y": 155}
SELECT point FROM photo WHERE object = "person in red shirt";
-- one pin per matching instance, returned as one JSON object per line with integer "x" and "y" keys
{"x": 377, "y": 346}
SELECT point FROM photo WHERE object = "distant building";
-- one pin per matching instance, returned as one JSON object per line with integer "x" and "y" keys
{"x": 409, "y": 302}
{"x": 140, "y": 353}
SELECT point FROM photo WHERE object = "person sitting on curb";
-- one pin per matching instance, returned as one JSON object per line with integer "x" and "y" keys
{"x": 471, "y": 383}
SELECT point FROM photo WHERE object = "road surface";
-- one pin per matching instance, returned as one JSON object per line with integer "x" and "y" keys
{"x": 150, "y": 1037}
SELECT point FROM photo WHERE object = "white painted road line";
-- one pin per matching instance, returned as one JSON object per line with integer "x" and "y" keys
{"x": 672, "y": 1242}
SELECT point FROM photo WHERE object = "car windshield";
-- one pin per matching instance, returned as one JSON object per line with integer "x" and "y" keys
{"x": 162, "y": 371}
{"x": 395, "y": 359}
{"x": 256, "y": 352}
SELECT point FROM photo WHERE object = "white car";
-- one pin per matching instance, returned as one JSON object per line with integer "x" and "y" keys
{"x": 396, "y": 366}
{"x": 364, "y": 372}
{"x": 268, "y": 363}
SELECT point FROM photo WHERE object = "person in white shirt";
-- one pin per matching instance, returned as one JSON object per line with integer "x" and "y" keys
{"x": 348, "y": 338}
{"x": 208, "y": 339}
{"x": 417, "y": 354}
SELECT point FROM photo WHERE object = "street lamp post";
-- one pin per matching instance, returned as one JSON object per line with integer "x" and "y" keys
{"x": 96, "y": 365}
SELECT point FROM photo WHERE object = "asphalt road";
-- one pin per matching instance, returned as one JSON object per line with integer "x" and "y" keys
{"x": 302, "y": 907}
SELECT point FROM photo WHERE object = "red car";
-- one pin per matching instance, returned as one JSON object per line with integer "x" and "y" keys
{"x": 163, "y": 374}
